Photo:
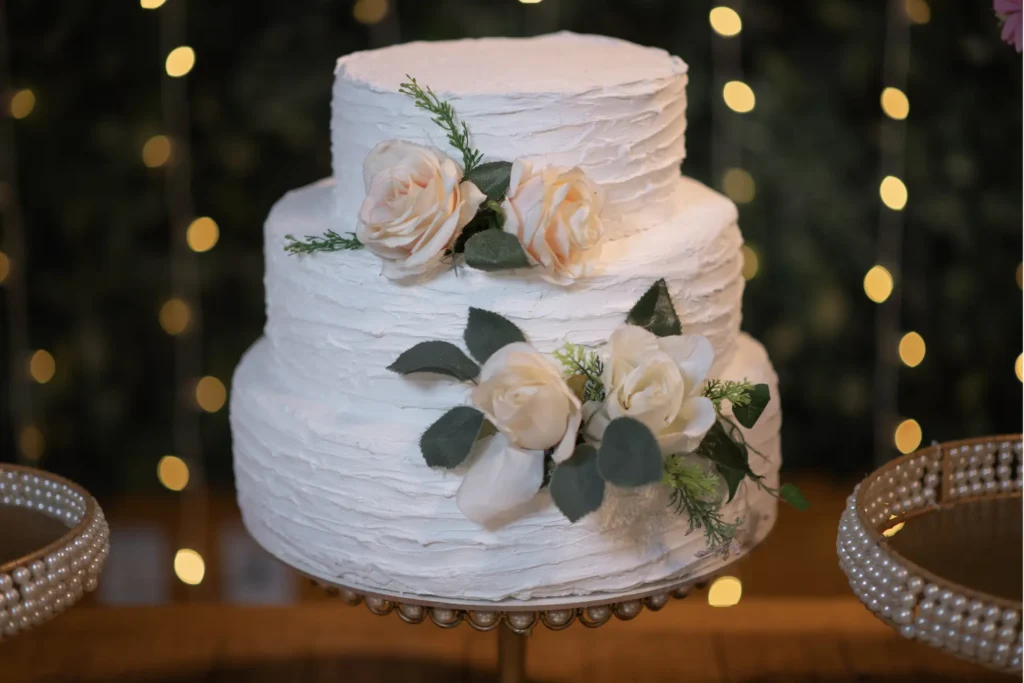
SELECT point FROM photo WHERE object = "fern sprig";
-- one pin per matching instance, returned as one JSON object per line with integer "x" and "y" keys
{"x": 329, "y": 241}
{"x": 694, "y": 493}
{"x": 577, "y": 359}
{"x": 444, "y": 116}
{"x": 719, "y": 390}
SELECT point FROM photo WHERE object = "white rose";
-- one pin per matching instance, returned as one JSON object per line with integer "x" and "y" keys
{"x": 416, "y": 205}
{"x": 525, "y": 397}
{"x": 658, "y": 381}
{"x": 556, "y": 214}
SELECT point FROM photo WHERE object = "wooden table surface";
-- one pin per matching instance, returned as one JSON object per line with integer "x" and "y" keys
{"x": 830, "y": 640}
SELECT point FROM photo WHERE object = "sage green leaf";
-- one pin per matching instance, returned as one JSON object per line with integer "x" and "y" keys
{"x": 576, "y": 484}
{"x": 655, "y": 312}
{"x": 732, "y": 478}
{"x": 629, "y": 455}
{"x": 447, "y": 442}
{"x": 493, "y": 249}
{"x": 748, "y": 415}
{"x": 492, "y": 178}
{"x": 436, "y": 356}
{"x": 488, "y": 332}
{"x": 731, "y": 458}
{"x": 792, "y": 495}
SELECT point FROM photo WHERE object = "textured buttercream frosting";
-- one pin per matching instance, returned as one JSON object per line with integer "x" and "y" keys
{"x": 614, "y": 109}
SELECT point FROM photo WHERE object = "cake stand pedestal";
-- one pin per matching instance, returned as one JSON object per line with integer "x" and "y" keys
{"x": 515, "y": 619}
{"x": 931, "y": 543}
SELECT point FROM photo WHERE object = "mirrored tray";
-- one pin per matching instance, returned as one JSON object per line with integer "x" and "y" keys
{"x": 53, "y": 543}
{"x": 931, "y": 544}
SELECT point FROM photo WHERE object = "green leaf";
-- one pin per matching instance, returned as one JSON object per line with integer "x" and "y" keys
{"x": 792, "y": 495}
{"x": 654, "y": 312}
{"x": 447, "y": 442}
{"x": 492, "y": 178}
{"x": 629, "y": 455}
{"x": 730, "y": 457}
{"x": 495, "y": 250}
{"x": 576, "y": 485}
{"x": 483, "y": 220}
{"x": 747, "y": 415}
{"x": 488, "y": 332}
{"x": 436, "y": 356}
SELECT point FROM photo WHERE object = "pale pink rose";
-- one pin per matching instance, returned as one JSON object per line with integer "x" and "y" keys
{"x": 1010, "y": 13}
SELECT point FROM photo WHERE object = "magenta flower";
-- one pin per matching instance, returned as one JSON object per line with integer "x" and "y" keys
{"x": 1010, "y": 13}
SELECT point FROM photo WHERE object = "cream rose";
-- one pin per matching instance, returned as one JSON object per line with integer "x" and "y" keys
{"x": 556, "y": 214}
{"x": 416, "y": 205}
{"x": 524, "y": 396}
{"x": 658, "y": 381}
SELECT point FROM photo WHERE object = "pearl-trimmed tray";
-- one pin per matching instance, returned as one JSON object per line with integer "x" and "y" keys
{"x": 53, "y": 543}
{"x": 931, "y": 545}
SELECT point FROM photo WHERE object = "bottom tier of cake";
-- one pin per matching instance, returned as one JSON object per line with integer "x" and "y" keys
{"x": 384, "y": 522}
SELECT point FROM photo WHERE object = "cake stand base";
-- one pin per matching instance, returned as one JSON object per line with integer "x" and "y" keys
{"x": 511, "y": 656}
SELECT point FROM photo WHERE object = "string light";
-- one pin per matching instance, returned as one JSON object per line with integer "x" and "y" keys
{"x": 908, "y": 436}
{"x": 917, "y": 11}
{"x": 878, "y": 284}
{"x": 895, "y": 103}
{"x": 739, "y": 185}
{"x": 531, "y": 2}
{"x": 5, "y": 267}
{"x": 22, "y": 103}
{"x": 157, "y": 151}
{"x": 370, "y": 11}
{"x": 751, "y": 262}
{"x": 893, "y": 193}
{"x": 175, "y": 316}
{"x": 202, "y": 234}
{"x": 726, "y": 591}
{"x": 41, "y": 366}
{"x": 180, "y": 61}
{"x": 739, "y": 97}
{"x": 172, "y": 472}
{"x": 725, "y": 21}
{"x": 31, "y": 443}
{"x": 189, "y": 566}
{"x": 912, "y": 349}
{"x": 211, "y": 394}
{"x": 1019, "y": 367}
{"x": 152, "y": 4}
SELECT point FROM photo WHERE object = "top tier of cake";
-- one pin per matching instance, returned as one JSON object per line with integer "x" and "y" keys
{"x": 612, "y": 108}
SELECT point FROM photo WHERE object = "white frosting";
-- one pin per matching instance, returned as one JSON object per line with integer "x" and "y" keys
{"x": 340, "y": 490}
{"x": 614, "y": 109}
{"x": 330, "y": 311}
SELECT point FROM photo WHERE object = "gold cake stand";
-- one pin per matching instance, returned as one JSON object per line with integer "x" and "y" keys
{"x": 515, "y": 620}
{"x": 53, "y": 543}
{"x": 932, "y": 545}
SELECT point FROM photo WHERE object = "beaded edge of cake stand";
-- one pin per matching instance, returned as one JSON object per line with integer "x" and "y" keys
{"x": 519, "y": 621}
{"x": 37, "y": 587}
{"x": 919, "y": 604}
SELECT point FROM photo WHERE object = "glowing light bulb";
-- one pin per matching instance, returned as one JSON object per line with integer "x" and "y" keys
{"x": 202, "y": 234}
{"x": 893, "y": 193}
{"x": 152, "y": 4}
{"x": 917, "y": 11}
{"x": 175, "y": 316}
{"x": 908, "y": 436}
{"x": 157, "y": 151}
{"x": 739, "y": 186}
{"x": 180, "y": 61}
{"x": 751, "y": 262}
{"x": 739, "y": 97}
{"x": 189, "y": 566}
{"x": 211, "y": 394}
{"x": 41, "y": 366}
{"x": 22, "y": 103}
{"x": 895, "y": 103}
{"x": 31, "y": 443}
{"x": 1018, "y": 367}
{"x": 726, "y": 591}
{"x": 912, "y": 349}
{"x": 5, "y": 267}
{"x": 172, "y": 472}
{"x": 370, "y": 11}
{"x": 878, "y": 284}
{"x": 725, "y": 21}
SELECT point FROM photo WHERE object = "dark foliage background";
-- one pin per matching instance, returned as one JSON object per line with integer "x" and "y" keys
{"x": 98, "y": 264}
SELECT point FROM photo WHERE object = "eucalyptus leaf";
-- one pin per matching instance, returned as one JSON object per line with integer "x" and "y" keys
{"x": 629, "y": 455}
{"x": 733, "y": 479}
{"x": 576, "y": 484}
{"x": 494, "y": 249}
{"x": 483, "y": 220}
{"x": 655, "y": 312}
{"x": 748, "y": 415}
{"x": 448, "y": 442}
{"x": 488, "y": 332}
{"x": 792, "y": 495}
{"x": 492, "y": 178}
{"x": 436, "y": 356}
{"x": 720, "y": 448}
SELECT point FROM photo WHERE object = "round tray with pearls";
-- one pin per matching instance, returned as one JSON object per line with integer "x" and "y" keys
{"x": 53, "y": 543}
{"x": 932, "y": 545}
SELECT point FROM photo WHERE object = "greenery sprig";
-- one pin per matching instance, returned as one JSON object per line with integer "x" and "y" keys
{"x": 577, "y": 359}
{"x": 694, "y": 492}
{"x": 737, "y": 393}
{"x": 329, "y": 241}
{"x": 444, "y": 116}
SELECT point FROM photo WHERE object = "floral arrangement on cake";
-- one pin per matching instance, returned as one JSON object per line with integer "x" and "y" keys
{"x": 424, "y": 211}
{"x": 638, "y": 411}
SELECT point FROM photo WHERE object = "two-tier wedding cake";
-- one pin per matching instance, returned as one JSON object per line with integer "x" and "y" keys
{"x": 502, "y": 357}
